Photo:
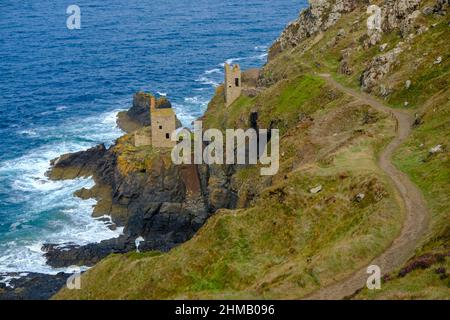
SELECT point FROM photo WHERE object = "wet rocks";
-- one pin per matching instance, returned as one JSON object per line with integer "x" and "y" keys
{"x": 31, "y": 286}
{"x": 63, "y": 256}
{"x": 75, "y": 165}
{"x": 438, "y": 60}
{"x": 165, "y": 205}
{"x": 138, "y": 115}
{"x": 319, "y": 16}
{"x": 423, "y": 262}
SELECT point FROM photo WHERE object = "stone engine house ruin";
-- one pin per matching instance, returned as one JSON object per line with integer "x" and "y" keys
{"x": 233, "y": 83}
{"x": 163, "y": 123}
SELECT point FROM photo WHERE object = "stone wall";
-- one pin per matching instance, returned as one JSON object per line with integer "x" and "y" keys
{"x": 162, "y": 127}
{"x": 233, "y": 83}
{"x": 142, "y": 139}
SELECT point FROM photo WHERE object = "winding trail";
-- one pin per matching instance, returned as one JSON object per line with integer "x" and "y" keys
{"x": 416, "y": 215}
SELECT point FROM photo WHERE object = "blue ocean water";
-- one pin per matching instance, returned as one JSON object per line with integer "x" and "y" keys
{"x": 60, "y": 91}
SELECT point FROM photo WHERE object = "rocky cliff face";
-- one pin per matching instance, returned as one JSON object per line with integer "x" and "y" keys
{"x": 329, "y": 205}
{"x": 398, "y": 14}
{"x": 144, "y": 192}
{"x": 138, "y": 115}
{"x": 160, "y": 202}
{"x": 32, "y": 286}
{"x": 404, "y": 16}
{"x": 319, "y": 16}
{"x": 323, "y": 14}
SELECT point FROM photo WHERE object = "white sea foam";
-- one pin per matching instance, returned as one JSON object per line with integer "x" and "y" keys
{"x": 215, "y": 70}
{"x": 61, "y": 217}
{"x": 261, "y": 56}
{"x": 30, "y": 133}
{"x": 197, "y": 100}
{"x": 7, "y": 280}
{"x": 233, "y": 60}
{"x": 211, "y": 77}
{"x": 207, "y": 81}
{"x": 185, "y": 116}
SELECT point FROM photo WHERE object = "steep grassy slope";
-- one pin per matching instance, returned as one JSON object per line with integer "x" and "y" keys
{"x": 289, "y": 241}
{"x": 418, "y": 81}
{"x": 284, "y": 241}
{"x": 426, "y": 275}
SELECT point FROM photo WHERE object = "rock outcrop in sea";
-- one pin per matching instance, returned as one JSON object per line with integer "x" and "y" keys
{"x": 142, "y": 191}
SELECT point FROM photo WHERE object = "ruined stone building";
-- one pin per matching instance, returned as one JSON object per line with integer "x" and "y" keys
{"x": 233, "y": 83}
{"x": 142, "y": 138}
{"x": 163, "y": 124}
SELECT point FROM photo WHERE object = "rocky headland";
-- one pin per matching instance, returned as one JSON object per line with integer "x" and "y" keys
{"x": 339, "y": 93}
{"x": 142, "y": 191}
{"x": 31, "y": 286}
{"x": 355, "y": 103}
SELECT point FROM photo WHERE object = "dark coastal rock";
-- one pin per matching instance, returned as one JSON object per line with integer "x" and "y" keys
{"x": 61, "y": 256}
{"x": 78, "y": 164}
{"x": 165, "y": 208}
{"x": 140, "y": 111}
{"x": 220, "y": 192}
{"x": 138, "y": 115}
{"x": 164, "y": 205}
{"x": 162, "y": 226}
{"x": 33, "y": 286}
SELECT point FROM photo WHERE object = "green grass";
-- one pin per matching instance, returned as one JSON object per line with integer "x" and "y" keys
{"x": 283, "y": 241}
{"x": 418, "y": 285}
{"x": 289, "y": 241}
{"x": 249, "y": 253}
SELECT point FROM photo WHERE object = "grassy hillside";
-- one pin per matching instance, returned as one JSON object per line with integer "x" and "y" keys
{"x": 285, "y": 241}
{"x": 287, "y": 237}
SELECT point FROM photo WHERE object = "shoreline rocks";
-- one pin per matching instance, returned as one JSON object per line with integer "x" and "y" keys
{"x": 142, "y": 191}
{"x": 31, "y": 286}
{"x": 138, "y": 115}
